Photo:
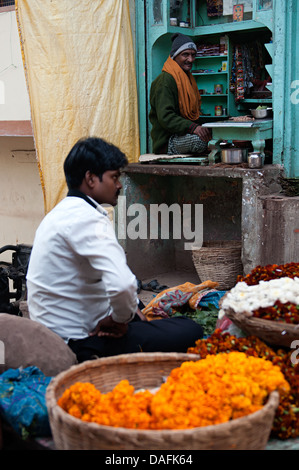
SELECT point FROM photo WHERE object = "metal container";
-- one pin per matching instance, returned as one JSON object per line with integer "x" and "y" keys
{"x": 255, "y": 160}
{"x": 218, "y": 110}
{"x": 234, "y": 155}
{"x": 259, "y": 113}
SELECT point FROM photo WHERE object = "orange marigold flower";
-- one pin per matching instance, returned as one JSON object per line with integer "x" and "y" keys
{"x": 286, "y": 421}
{"x": 198, "y": 393}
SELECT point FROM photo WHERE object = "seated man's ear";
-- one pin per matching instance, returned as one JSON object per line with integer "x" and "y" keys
{"x": 90, "y": 178}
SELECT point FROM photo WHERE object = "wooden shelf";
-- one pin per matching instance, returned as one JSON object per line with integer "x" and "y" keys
{"x": 257, "y": 100}
{"x": 223, "y": 116}
{"x": 210, "y": 56}
{"x": 212, "y": 95}
{"x": 208, "y": 73}
{"x": 224, "y": 28}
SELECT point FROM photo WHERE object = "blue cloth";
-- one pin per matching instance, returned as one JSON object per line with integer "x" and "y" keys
{"x": 23, "y": 401}
{"x": 212, "y": 298}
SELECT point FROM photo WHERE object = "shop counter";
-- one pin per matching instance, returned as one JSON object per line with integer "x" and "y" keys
{"x": 257, "y": 131}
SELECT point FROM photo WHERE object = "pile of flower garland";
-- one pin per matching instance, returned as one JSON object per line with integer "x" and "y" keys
{"x": 286, "y": 422}
{"x": 277, "y": 299}
{"x": 270, "y": 292}
{"x": 214, "y": 390}
{"x": 270, "y": 271}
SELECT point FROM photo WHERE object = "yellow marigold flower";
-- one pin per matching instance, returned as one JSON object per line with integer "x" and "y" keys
{"x": 201, "y": 393}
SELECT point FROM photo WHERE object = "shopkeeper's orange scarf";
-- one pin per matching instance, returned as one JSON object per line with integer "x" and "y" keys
{"x": 189, "y": 97}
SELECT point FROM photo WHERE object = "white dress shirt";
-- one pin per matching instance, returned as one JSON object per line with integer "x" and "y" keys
{"x": 78, "y": 272}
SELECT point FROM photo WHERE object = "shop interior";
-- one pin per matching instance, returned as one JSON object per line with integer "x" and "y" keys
{"x": 233, "y": 67}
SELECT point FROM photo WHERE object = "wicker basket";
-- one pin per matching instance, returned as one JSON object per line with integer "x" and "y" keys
{"x": 271, "y": 332}
{"x": 220, "y": 262}
{"x": 146, "y": 370}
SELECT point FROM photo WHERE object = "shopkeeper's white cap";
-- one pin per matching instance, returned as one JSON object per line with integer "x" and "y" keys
{"x": 180, "y": 43}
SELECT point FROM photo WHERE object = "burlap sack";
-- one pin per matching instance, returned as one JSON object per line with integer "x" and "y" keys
{"x": 24, "y": 343}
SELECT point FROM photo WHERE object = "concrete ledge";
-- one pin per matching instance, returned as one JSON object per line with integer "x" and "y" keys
{"x": 173, "y": 169}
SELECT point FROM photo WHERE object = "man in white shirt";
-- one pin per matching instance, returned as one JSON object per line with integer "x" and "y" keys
{"x": 78, "y": 281}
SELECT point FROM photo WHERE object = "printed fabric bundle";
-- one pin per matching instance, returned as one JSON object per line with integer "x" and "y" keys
{"x": 171, "y": 300}
{"x": 23, "y": 402}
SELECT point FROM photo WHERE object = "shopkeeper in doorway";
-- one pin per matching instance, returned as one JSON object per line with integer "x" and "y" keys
{"x": 176, "y": 104}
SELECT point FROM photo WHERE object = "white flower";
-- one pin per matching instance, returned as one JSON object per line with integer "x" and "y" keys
{"x": 249, "y": 298}
{"x": 221, "y": 313}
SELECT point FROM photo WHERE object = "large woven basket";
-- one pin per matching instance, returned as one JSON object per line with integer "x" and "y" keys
{"x": 147, "y": 370}
{"x": 219, "y": 261}
{"x": 271, "y": 332}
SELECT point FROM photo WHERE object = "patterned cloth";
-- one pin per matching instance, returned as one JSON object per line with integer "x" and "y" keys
{"x": 170, "y": 300}
{"x": 23, "y": 402}
{"x": 184, "y": 144}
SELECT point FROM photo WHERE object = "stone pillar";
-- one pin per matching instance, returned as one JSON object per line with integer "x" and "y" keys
{"x": 280, "y": 230}
{"x": 256, "y": 185}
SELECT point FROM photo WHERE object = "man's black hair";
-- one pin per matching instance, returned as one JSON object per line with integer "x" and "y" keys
{"x": 93, "y": 154}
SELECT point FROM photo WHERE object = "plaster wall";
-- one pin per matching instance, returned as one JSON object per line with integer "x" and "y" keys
{"x": 14, "y": 98}
{"x": 21, "y": 198}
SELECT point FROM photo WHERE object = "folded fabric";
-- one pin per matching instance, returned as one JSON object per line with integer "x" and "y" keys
{"x": 23, "y": 401}
{"x": 167, "y": 302}
{"x": 211, "y": 298}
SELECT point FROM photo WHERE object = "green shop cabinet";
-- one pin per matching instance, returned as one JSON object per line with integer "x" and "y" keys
{"x": 211, "y": 74}
{"x": 273, "y": 22}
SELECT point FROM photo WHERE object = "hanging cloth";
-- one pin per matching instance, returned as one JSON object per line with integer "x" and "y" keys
{"x": 79, "y": 66}
{"x": 189, "y": 97}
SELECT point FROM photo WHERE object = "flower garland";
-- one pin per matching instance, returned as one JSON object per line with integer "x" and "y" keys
{"x": 286, "y": 421}
{"x": 270, "y": 271}
{"x": 270, "y": 292}
{"x": 285, "y": 312}
{"x": 200, "y": 393}
{"x": 276, "y": 299}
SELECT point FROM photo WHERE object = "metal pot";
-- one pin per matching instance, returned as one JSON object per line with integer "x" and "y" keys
{"x": 259, "y": 113}
{"x": 255, "y": 160}
{"x": 234, "y": 155}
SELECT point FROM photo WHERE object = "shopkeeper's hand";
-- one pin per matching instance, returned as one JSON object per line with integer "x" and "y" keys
{"x": 203, "y": 132}
{"x": 109, "y": 327}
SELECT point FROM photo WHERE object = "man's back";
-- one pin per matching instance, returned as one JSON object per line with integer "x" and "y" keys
{"x": 67, "y": 281}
